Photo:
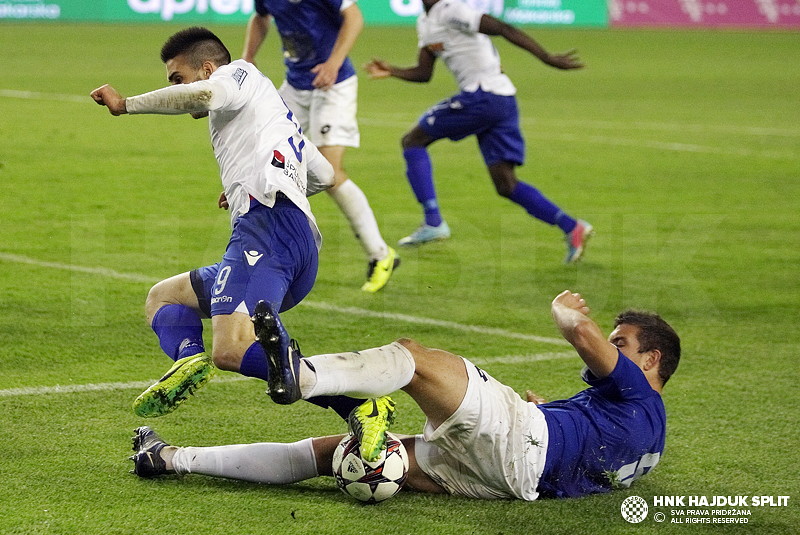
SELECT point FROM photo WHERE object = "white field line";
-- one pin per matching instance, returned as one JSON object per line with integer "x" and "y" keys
{"x": 396, "y": 120}
{"x": 318, "y": 305}
{"x": 141, "y": 385}
{"x": 35, "y": 95}
{"x": 548, "y": 135}
{"x": 94, "y": 387}
{"x": 400, "y": 121}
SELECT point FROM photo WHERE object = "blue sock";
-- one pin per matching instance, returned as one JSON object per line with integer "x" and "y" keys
{"x": 343, "y": 405}
{"x": 179, "y": 330}
{"x": 254, "y": 362}
{"x": 540, "y": 207}
{"x": 420, "y": 175}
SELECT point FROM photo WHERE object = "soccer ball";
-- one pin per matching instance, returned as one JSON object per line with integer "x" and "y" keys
{"x": 370, "y": 482}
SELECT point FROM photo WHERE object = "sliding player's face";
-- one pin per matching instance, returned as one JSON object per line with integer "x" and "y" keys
{"x": 180, "y": 72}
{"x": 625, "y": 337}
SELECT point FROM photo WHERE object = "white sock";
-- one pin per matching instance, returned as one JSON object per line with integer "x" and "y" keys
{"x": 265, "y": 462}
{"x": 364, "y": 374}
{"x": 355, "y": 206}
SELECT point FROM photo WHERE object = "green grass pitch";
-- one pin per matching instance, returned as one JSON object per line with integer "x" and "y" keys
{"x": 682, "y": 148}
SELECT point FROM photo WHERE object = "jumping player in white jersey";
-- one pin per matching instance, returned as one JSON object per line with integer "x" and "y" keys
{"x": 268, "y": 168}
{"x": 481, "y": 439}
{"x": 321, "y": 89}
{"x": 486, "y": 107}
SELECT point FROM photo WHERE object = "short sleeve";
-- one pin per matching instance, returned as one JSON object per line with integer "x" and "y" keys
{"x": 458, "y": 15}
{"x": 231, "y": 86}
{"x": 625, "y": 382}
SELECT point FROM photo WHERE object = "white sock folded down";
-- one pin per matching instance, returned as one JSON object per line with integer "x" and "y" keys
{"x": 362, "y": 374}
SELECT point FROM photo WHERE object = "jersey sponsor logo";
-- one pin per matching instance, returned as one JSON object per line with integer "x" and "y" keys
{"x": 253, "y": 257}
{"x": 239, "y": 75}
{"x": 278, "y": 160}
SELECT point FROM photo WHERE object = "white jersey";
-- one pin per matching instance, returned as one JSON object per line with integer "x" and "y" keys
{"x": 450, "y": 30}
{"x": 259, "y": 148}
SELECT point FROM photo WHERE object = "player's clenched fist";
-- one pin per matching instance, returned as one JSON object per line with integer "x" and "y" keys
{"x": 571, "y": 300}
{"x": 110, "y": 97}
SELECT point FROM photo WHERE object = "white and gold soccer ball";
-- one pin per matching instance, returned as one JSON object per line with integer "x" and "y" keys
{"x": 370, "y": 482}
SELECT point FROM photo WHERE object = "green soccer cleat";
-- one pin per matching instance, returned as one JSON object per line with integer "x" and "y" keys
{"x": 369, "y": 422}
{"x": 186, "y": 375}
{"x": 379, "y": 272}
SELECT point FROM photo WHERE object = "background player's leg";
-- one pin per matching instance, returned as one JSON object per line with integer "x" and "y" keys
{"x": 528, "y": 197}
{"x": 419, "y": 172}
{"x": 355, "y": 206}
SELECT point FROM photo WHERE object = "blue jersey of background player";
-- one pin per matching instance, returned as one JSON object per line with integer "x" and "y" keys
{"x": 321, "y": 89}
{"x": 601, "y": 418}
{"x": 308, "y": 30}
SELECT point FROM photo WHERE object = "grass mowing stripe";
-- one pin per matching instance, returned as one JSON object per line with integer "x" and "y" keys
{"x": 130, "y": 385}
{"x": 135, "y": 277}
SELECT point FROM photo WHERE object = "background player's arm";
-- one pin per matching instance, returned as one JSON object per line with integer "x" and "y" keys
{"x": 254, "y": 35}
{"x": 328, "y": 71}
{"x": 492, "y": 26}
{"x": 570, "y": 314}
{"x": 421, "y": 72}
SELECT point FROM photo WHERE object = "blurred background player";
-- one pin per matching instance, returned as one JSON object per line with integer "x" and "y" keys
{"x": 486, "y": 107}
{"x": 267, "y": 169}
{"x": 321, "y": 88}
{"x": 481, "y": 439}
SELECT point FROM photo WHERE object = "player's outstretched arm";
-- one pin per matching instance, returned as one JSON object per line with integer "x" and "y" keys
{"x": 110, "y": 97}
{"x": 421, "y": 72}
{"x": 570, "y": 314}
{"x": 492, "y": 26}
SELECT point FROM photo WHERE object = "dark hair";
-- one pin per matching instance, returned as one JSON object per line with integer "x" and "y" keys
{"x": 655, "y": 333}
{"x": 198, "y": 45}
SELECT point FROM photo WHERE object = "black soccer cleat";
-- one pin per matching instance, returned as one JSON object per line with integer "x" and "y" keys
{"x": 283, "y": 355}
{"x": 147, "y": 461}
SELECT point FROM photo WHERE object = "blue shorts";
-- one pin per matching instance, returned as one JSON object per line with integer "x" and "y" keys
{"x": 494, "y": 119}
{"x": 271, "y": 256}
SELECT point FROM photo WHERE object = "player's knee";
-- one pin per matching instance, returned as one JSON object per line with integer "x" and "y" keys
{"x": 154, "y": 301}
{"x": 410, "y": 344}
{"x": 414, "y": 138}
{"x": 504, "y": 179}
{"x": 504, "y": 189}
{"x": 418, "y": 352}
{"x": 226, "y": 358}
